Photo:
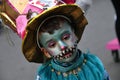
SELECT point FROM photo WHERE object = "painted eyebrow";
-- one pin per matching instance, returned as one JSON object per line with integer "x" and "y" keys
{"x": 62, "y": 33}
{"x": 49, "y": 41}
{"x": 65, "y": 32}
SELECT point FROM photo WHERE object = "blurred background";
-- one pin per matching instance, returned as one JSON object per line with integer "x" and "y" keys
{"x": 100, "y": 30}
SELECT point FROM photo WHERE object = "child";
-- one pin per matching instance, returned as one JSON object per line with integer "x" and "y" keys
{"x": 51, "y": 39}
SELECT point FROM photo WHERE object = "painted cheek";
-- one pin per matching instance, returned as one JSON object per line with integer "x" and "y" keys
{"x": 73, "y": 42}
{"x": 70, "y": 42}
{"x": 54, "y": 51}
{"x": 51, "y": 53}
{"x": 73, "y": 38}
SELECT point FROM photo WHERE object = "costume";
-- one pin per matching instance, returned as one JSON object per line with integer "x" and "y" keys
{"x": 87, "y": 67}
{"x": 57, "y": 50}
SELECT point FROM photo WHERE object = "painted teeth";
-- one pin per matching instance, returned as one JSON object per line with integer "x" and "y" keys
{"x": 67, "y": 50}
{"x": 60, "y": 54}
{"x": 63, "y": 52}
{"x": 70, "y": 49}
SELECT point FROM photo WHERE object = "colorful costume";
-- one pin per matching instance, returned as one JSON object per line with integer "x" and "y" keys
{"x": 29, "y": 23}
{"x": 86, "y": 67}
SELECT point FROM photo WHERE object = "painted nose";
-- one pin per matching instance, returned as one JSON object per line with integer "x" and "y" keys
{"x": 63, "y": 46}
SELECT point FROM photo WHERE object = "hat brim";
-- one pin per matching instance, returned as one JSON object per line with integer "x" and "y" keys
{"x": 29, "y": 46}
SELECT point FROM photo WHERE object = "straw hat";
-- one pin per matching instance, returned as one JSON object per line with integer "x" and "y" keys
{"x": 30, "y": 48}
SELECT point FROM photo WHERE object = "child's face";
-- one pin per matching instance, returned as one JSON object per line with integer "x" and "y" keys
{"x": 60, "y": 44}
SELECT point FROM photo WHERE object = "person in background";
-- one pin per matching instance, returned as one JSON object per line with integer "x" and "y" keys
{"x": 116, "y": 4}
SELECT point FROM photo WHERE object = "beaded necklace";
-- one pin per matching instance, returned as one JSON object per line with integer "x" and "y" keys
{"x": 72, "y": 69}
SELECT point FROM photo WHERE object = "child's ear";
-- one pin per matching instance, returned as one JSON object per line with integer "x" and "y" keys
{"x": 45, "y": 52}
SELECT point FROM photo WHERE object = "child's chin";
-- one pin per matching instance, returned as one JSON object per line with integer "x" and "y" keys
{"x": 67, "y": 60}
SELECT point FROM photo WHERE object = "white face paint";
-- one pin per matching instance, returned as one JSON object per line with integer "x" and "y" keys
{"x": 60, "y": 44}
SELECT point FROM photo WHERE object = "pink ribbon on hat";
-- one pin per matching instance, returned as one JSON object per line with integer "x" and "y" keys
{"x": 69, "y": 1}
{"x": 36, "y": 6}
{"x": 21, "y": 20}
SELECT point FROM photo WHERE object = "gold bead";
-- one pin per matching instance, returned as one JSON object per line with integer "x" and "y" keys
{"x": 50, "y": 64}
{"x": 70, "y": 72}
{"x": 52, "y": 70}
{"x": 74, "y": 72}
{"x": 58, "y": 73}
{"x": 85, "y": 60}
{"x": 65, "y": 74}
{"x": 79, "y": 69}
